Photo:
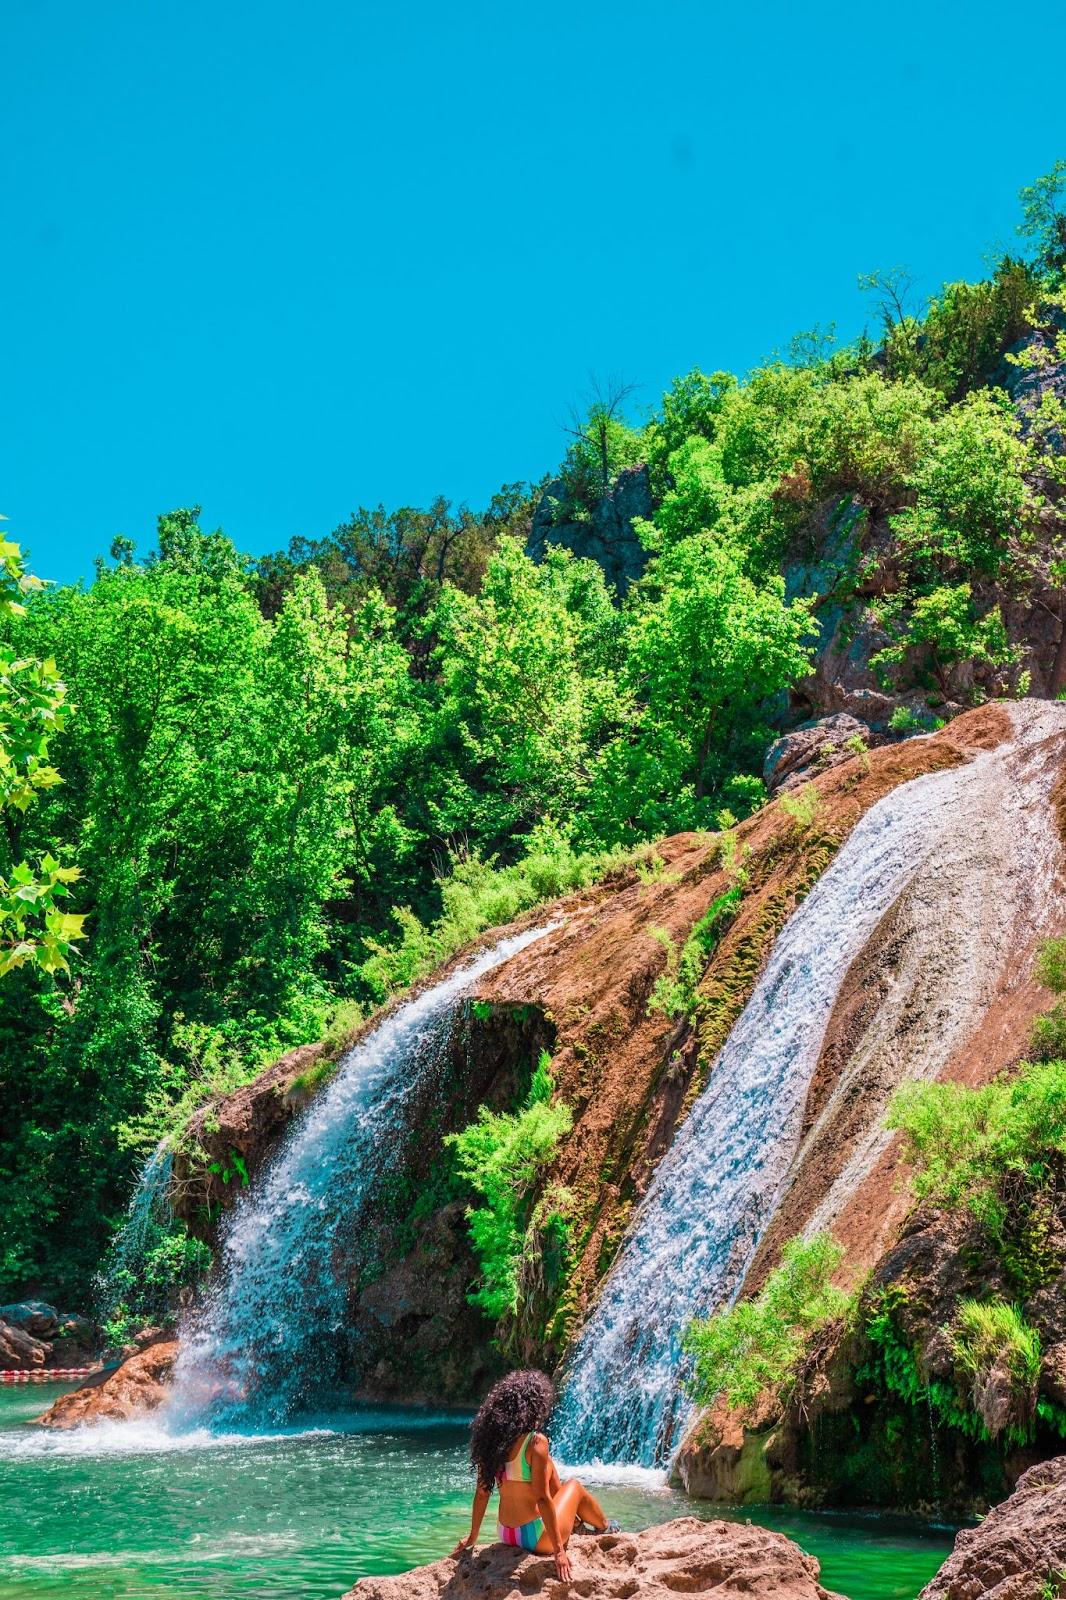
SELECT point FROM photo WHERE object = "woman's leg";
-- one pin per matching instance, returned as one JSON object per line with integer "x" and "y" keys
{"x": 573, "y": 1501}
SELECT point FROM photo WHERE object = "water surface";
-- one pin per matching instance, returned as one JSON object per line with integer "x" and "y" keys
{"x": 128, "y": 1511}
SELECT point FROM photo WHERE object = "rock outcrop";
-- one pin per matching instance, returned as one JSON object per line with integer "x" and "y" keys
{"x": 20, "y": 1351}
{"x": 812, "y": 748}
{"x": 34, "y": 1334}
{"x": 606, "y": 534}
{"x": 1019, "y": 1550}
{"x": 628, "y": 1073}
{"x": 137, "y": 1386}
{"x": 901, "y": 1014}
{"x": 686, "y": 1556}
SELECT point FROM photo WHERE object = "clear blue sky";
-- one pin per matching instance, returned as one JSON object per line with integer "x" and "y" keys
{"x": 286, "y": 259}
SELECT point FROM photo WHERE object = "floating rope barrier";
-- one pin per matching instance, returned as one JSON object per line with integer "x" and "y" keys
{"x": 45, "y": 1374}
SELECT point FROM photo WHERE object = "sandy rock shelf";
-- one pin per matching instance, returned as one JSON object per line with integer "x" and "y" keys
{"x": 686, "y": 1556}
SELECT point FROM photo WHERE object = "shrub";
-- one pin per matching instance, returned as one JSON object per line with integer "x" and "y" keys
{"x": 500, "y": 1156}
{"x": 476, "y": 895}
{"x": 964, "y": 1144}
{"x": 675, "y": 990}
{"x": 989, "y": 1332}
{"x": 755, "y": 1346}
{"x": 905, "y": 721}
{"x": 802, "y": 805}
{"x": 942, "y": 626}
{"x": 1051, "y": 965}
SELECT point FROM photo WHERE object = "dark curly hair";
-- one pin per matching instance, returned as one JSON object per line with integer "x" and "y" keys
{"x": 520, "y": 1403}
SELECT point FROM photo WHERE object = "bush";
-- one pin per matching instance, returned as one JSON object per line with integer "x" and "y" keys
{"x": 987, "y": 1333}
{"x": 943, "y": 628}
{"x": 675, "y": 990}
{"x": 756, "y": 1346}
{"x": 500, "y": 1156}
{"x": 905, "y": 721}
{"x": 476, "y": 895}
{"x": 1051, "y": 965}
{"x": 803, "y": 805}
{"x": 965, "y": 1144}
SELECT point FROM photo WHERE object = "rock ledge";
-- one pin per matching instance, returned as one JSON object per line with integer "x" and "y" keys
{"x": 1018, "y": 1552}
{"x": 138, "y": 1385}
{"x": 682, "y": 1557}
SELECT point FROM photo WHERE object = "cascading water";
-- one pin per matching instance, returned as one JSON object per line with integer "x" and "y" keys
{"x": 280, "y": 1298}
{"x": 122, "y": 1278}
{"x": 718, "y": 1186}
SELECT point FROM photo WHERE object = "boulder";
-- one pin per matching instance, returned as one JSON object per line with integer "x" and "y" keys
{"x": 1019, "y": 1550}
{"x": 687, "y": 1556}
{"x": 20, "y": 1350}
{"x": 33, "y": 1317}
{"x": 138, "y": 1385}
{"x": 811, "y": 748}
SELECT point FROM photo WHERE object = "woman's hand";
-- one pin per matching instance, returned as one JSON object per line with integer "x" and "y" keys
{"x": 463, "y": 1546}
{"x": 562, "y": 1566}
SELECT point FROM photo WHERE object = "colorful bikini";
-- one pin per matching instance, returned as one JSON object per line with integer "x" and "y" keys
{"x": 519, "y": 1469}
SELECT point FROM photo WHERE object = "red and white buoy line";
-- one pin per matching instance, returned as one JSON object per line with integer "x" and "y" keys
{"x": 45, "y": 1374}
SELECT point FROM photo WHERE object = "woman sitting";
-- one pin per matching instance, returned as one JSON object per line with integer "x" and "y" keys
{"x": 510, "y": 1452}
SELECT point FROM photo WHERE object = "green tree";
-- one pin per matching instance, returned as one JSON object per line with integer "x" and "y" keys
{"x": 34, "y": 927}
{"x": 529, "y": 692}
{"x": 1044, "y": 217}
{"x": 708, "y": 648}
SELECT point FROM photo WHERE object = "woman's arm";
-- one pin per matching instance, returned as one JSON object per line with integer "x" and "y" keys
{"x": 541, "y": 1462}
{"x": 477, "y": 1513}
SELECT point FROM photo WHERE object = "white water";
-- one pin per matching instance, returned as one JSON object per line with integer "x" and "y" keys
{"x": 271, "y": 1326}
{"x": 717, "y": 1188}
{"x": 121, "y": 1278}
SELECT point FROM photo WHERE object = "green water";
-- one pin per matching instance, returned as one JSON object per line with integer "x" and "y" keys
{"x": 122, "y": 1511}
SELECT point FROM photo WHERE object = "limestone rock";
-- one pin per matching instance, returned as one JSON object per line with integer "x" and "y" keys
{"x": 1018, "y": 1551}
{"x": 133, "y": 1388}
{"x": 686, "y": 1556}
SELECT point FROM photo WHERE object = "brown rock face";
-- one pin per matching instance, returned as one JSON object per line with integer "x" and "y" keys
{"x": 682, "y": 1557}
{"x": 1018, "y": 1552}
{"x": 133, "y": 1388}
{"x": 19, "y": 1350}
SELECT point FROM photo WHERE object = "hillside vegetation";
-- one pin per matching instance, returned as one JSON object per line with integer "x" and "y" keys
{"x": 291, "y": 784}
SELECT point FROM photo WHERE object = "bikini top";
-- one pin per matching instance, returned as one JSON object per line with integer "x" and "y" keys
{"x": 518, "y": 1469}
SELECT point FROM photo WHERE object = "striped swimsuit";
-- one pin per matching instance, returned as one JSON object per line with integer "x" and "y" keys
{"x": 518, "y": 1468}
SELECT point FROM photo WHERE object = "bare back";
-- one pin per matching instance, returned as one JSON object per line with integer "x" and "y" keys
{"x": 518, "y": 1498}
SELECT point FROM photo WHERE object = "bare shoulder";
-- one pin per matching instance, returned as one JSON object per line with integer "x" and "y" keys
{"x": 538, "y": 1444}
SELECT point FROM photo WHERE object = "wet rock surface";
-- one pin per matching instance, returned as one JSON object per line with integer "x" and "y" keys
{"x": 1019, "y": 1550}
{"x": 682, "y": 1557}
{"x": 135, "y": 1387}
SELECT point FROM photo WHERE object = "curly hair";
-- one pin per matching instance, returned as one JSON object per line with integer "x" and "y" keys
{"x": 520, "y": 1403}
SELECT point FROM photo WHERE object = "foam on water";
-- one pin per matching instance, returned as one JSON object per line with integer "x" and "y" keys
{"x": 151, "y": 1435}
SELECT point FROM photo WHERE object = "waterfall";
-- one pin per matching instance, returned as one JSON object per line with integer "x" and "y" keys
{"x": 714, "y": 1192}
{"x": 262, "y": 1342}
{"x": 121, "y": 1279}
